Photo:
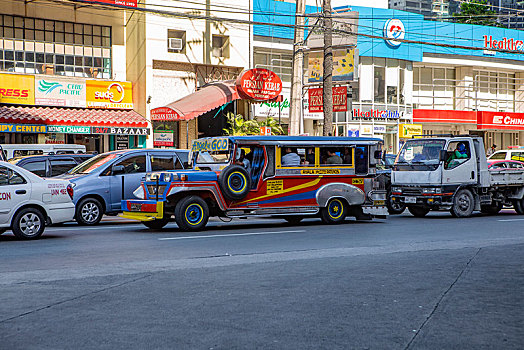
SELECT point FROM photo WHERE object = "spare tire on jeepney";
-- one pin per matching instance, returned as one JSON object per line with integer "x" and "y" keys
{"x": 235, "y": 182}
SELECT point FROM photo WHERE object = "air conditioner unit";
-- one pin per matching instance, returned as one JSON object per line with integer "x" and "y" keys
{"x": 175, "y": 44}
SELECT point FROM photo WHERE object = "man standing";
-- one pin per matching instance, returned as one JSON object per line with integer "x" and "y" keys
{"x": 492, "y": 150}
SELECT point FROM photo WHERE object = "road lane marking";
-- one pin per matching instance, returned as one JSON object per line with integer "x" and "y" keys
{"x": 82, "y": 228}
{"x": 230, "y": 235}
{"x": 511, "y": 220}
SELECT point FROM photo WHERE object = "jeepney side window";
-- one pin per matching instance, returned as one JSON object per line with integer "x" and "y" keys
{"x": 296, "y": 156}
{"x": 361, "y": 160}
{"x": 342, "y": 156}
{"x": 270, "y": 168}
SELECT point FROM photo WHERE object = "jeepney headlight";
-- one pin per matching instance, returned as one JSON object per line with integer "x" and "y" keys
{"x": 396, "y": 189}
{"x": 140, "y": 193}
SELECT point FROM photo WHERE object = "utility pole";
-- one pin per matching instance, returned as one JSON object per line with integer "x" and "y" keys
{"x": 327, "y": 76}
{"x": 295, "y": 108}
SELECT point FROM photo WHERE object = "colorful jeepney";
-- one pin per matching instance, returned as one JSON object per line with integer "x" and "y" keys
{"x": 277, "y": 176}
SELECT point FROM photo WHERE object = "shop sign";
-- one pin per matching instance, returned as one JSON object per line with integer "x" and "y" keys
{"x": 163, "y": 138}
{"x": 344, "y": 23}
{"x": 271, "y": 108}
{"x": 68, "y": 129}
{"x": 50, "y": 91}
{"x": 344, "y": 63}
{"x": 164, "y": 113}
{"x": 17, "y": 89}
{"x": 353, "y": 131}
{"x": 127, "y": 3}
{"x": 366, "y": 130}
{"x": 379, "y": 129}
{"x": 500, "y": 120}
{"x": 376, "y": 114}
{"x": 119, "y": 131}
{"x": 339, "y": 99}
{"x": 23, "y": 128}
{"x": 393, "y": 32}
{"x": 503, "y": 44}
{"x": 122, "y": 142}
{"x": 109, "y": 94}
{"x": 258, "y": 84}
{"x": 409, "y": 130}
{"x": 265, "y": 130}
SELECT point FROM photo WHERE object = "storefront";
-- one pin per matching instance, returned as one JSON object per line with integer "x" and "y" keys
{"x": 48, "y": 109}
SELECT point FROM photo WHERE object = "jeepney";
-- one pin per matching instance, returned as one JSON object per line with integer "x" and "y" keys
{"x": 283, "y": 176}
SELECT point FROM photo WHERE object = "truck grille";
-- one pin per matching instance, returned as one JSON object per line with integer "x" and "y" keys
{"x": 411, "y": 191}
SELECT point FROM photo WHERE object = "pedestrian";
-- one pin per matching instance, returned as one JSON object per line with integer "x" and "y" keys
{"x": 491, "y": 150}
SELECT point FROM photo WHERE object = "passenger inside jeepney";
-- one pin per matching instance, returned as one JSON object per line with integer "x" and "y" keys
{"x": 243, "y": 160}
{"x": 333, "y": 157}
{"x": 290, "y": 158}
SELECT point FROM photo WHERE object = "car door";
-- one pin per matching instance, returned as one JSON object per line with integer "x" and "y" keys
{"x": 61, "y": 165}
{"x": 36, "y": 166}
{"x": 458, "y": 171}
{"x": 14, "y": 190}
{"x": 124, "y": 182}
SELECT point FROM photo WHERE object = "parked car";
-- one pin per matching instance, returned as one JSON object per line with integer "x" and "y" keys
{"x": 104, "y": 180}
{"x": 505, "y": 164}
{"x": 508, "y": 154}
{"x": 50, "y": 165}
{"x": 20, "y": 150}
{"x": 28, "y": 202}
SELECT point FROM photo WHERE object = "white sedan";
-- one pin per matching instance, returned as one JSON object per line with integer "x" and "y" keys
{"x": 28, "y": 202}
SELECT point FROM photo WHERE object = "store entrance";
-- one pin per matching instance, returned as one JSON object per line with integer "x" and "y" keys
{"x": 92, "y": 142}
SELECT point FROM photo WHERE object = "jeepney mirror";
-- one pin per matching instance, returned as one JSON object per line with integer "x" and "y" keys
{"x": 378, "y": 154}
{"x": 443, "y": 155}
{"x": 118, "y": 169}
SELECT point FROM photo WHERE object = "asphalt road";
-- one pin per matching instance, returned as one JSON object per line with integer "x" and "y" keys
{"x": 400, "y": 283}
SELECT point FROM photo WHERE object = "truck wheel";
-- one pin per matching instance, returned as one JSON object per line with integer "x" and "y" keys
{"x": 517, "y": 205}
{"x": 418, "y": 212}
{"x": 463, "y": 204}
{"x": 89, "y": 211}
{"x": 234, "y": 182}
{"x": 28, "y": 223}
{"x": 191, "y": 213}
{"x": 491, "y": 209}
{"x": 334, "y": 212}
{"x": 395, "y": 208}
{"x": 156, "y": 224}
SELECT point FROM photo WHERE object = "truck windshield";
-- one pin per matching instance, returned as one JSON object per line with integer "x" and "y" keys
{"x": 420, "y": 152}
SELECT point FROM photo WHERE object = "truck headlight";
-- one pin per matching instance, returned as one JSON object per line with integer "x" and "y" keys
{"x": 396, "y": 189}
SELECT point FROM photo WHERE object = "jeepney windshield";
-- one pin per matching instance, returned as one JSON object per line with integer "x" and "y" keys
{"x": 213, "y": 157}
{"x": 211, "y": 151}
{"x": 420, "y": 154}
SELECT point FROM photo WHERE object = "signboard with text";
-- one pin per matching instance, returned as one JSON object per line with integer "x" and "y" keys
{"x": 109, "y": 94}
{"x": 344, "y": 63}
{"x": 17, "y": 89}
{"x": 163, "y": 138}
{"x": 500, "y": 120}
{"x": 68, "y": 129}
{"x": 164, "y": 113}
{"x": 119, "y": 131}
{"x": 339, "y": 99}
{"x": 127, "y": 3}
{"x": 409, "y": 130}
{"x": 51, "y": 91}
{"x": 258, "y": 84}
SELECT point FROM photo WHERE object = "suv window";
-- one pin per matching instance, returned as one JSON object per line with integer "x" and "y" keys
{"x": 10, "y": 177}
{"x": 61, "y": 166}
{"x": 36, "y": 167}
{"x": 498, "y": 155}
{"x": 134, "y": 165}
{"x": 161, "y": 162}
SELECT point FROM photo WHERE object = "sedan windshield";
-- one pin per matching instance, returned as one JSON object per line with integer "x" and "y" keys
{"x": 421, "y": 152}
{"x": 93, "y": 163}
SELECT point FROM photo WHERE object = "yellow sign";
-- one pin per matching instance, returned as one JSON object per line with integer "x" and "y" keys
{"x": 409, "y": 130}
{"x": 210, "y": 145}
{"x": 357, "y": 181}
{"x": 275, "y": 186}
{"x": 109, "y": 94}
{"x": 17, "y": 88}
{"x": 320, "y": 171}
{"x": 343, "y": 65}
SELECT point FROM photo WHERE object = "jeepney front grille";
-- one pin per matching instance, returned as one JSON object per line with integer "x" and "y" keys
{"x": 151, "y": 189}
{"x": 411, "y": 191}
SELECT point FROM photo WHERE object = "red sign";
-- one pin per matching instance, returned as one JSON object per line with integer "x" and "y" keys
{"x": 164, "y": 113}
{"x": 340, "y": 102}
{"x": 503, "y": 44}
{"x": 500, "y": 120}
{"x": 444, "y": 116}
{"x": 128, "y": 3}
{"x": 258, "y": 84}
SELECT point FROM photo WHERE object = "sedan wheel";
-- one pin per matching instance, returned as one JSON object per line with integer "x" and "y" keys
{"x": 29, "y": 223}
{"x": 89, "y": 212}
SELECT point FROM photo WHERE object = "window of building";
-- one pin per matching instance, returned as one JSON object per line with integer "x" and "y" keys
{"x": 275, "y": 61}
{"x": 220, "y": 46}
{"x": 32, "y": 45}
{"x": 176, "y": 41}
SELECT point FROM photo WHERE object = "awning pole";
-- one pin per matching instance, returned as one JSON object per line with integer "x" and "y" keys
{"x": 187, "y": 134}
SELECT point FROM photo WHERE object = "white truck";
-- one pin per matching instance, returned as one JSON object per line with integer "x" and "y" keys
{"x": 451, "y": 173}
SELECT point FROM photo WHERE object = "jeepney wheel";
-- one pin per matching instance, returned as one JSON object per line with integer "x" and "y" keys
{"x": 89, "y": 211}
{"x": 234, "y": 182}
{"x": 418, "y": 212}
{"x": 293, "y": 219}
{"x": 517, "y": 205}
{"x": 491, "y": 209}
{"x": 28, "y": 223}
{"x": 334, "y": 212}
{"x": 156, "y": 224}
{"x": 191, "y": 213}
{"x": 463, "y": 204}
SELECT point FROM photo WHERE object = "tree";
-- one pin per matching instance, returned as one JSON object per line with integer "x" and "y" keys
{"x": 238, "y": 126}
{"x": 476, "y": 12}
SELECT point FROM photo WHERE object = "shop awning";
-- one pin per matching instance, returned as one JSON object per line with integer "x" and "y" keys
{"x": 72, "y": 116}
{"x": 198, "y": 103}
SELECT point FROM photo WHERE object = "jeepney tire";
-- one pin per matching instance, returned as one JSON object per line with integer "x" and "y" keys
{"x": 491, "y": 209}
{"x": 156, "y": 224}
{"x": 89, "y": 211}
{"x": 293, "y": 219}
{"x": 191, "y": 213}
{"x": 418, "y": 212}
{"x": 463, "y": 204}
{"x": 518, "y": 206}
{"x": 334, "y": 212}
{"x": 28, "y": 223}
{"x": 235, "y": 182}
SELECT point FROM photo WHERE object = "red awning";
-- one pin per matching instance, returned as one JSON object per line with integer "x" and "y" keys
{"x": 198, "y": 103}
{"x": 72, "y": 116}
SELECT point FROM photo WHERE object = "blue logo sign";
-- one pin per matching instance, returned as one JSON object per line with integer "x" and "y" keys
{"x": 394, "y": 31}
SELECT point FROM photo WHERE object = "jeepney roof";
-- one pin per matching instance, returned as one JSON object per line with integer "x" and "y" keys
{"x": 299, "y": 140}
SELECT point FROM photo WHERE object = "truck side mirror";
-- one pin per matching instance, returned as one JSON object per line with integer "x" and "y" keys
{"x": 118, "y": 169}
{"x": 443, "y": 155}
{"x": 377, "y": 154}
